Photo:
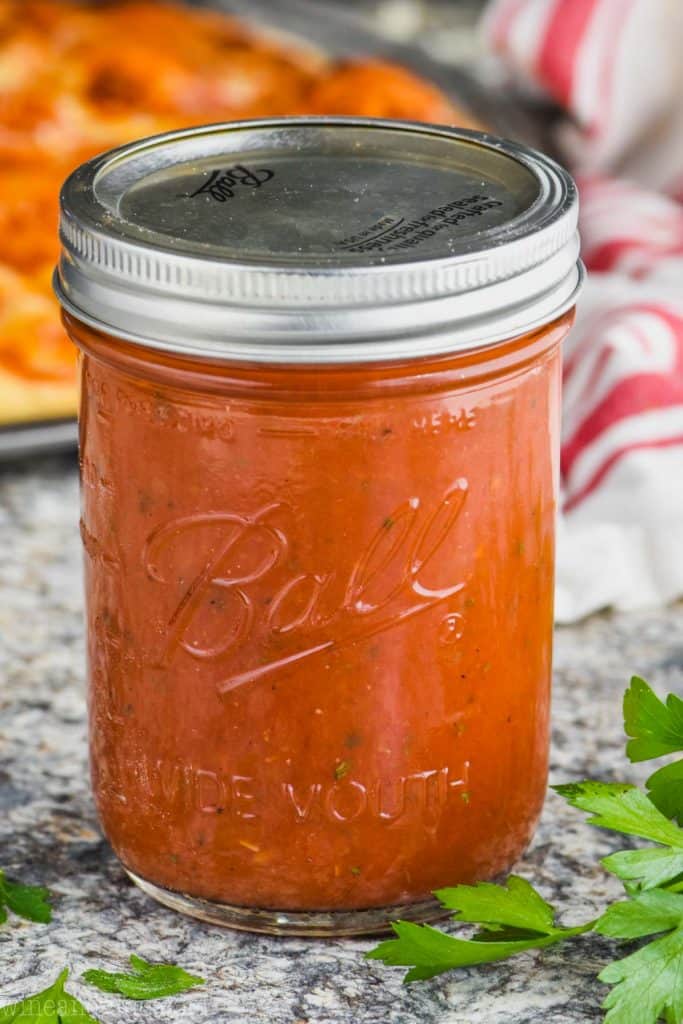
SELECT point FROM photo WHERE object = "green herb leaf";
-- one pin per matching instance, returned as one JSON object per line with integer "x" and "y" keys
{"x": 51, "y": 1006}
{"x": 649, "y": 913}
{"x": 145, "y": 981}
{"x": 514, "y": 905}
{"x": 514, "y": 918}
{"x": 27, "y": 901}
{"x": 647, "y": 869}
{"x": 648, "y": 983}
{"x": 656, "y": 727}
{"x": 627, "y": 809}
{"x": 429, "y": 952}
{"x": 621, "y": 808}
{"x": 665, "y": 789}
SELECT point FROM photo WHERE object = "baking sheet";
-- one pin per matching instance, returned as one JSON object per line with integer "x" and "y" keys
{"x": 25, "y": 439}
{"x": 337, "y": 32}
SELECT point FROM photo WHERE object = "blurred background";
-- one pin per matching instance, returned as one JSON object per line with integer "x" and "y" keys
{"x": 445, "y": 29}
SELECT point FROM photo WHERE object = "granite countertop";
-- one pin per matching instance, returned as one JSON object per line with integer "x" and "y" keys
{"x": 48, "y": 831}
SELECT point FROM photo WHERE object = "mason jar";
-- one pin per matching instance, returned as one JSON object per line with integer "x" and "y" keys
{"x": 320, "y": 387}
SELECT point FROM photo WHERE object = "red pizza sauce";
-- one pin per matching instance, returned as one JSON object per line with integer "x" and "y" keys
{"x": 320, "y": 605}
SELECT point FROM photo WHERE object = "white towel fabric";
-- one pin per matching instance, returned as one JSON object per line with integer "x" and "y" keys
{"x": 615, "y": 66}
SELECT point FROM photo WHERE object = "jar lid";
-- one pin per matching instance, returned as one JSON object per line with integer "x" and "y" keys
{"x": 318, "y": 239}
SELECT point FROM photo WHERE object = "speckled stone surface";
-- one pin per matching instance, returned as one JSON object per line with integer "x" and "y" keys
{"x": 48, "y": 831}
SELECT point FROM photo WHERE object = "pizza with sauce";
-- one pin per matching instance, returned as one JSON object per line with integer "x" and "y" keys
{"x": 77, "y": 79}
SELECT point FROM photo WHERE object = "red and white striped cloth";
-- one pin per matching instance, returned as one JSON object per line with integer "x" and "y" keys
{"x": 616, "y": 68}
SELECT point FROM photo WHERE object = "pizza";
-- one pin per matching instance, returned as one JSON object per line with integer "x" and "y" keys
{"x": 77, "y": 79}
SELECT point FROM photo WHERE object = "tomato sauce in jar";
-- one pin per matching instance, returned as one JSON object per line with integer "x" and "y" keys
{"x": 320, "y": 369}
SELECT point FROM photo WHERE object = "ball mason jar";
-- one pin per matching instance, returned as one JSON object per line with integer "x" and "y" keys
{"x": 320, "y": 369}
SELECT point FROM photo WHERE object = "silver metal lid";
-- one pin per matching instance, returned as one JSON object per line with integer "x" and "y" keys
{"x": 318, "y": 240}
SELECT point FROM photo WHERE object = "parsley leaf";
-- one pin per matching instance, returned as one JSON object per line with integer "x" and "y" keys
{"x": 429, "y": 952}
{"x": 656, "y": 727}
{"x": 665, "y": 789}
{"x": 515, "y": 905}
{"x": 513, "y": 918}
{"x": 648, "y": 983}
{"x": 145, "y": 981}
{"x": 624, "y": 808}
{"x": 51, "y": 1006}
{"x": 28, "y": 901}
{"x": 649, "y": 913}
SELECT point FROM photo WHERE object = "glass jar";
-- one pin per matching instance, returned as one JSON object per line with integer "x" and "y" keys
{"x": 319, "y": 472}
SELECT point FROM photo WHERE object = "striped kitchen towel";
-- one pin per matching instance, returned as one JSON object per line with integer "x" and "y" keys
{"x": 615, "y": 67}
